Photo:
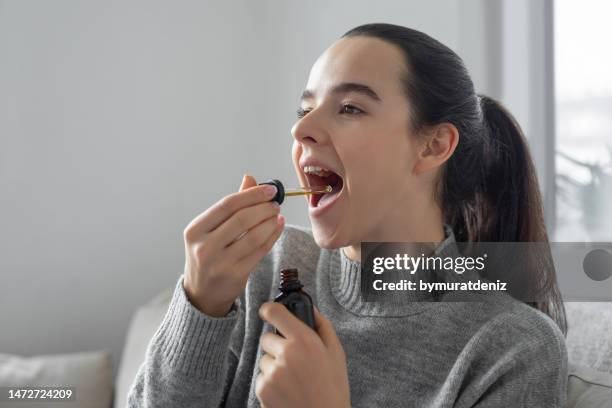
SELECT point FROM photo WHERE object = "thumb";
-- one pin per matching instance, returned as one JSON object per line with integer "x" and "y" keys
{"x": 247, "y": 182}
{"x": 326, "y": 332}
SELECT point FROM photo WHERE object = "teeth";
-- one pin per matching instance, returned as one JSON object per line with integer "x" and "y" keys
{"x": 319, "y": 171}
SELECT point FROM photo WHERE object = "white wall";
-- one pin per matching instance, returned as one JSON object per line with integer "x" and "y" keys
{"x": 120, "y": 121}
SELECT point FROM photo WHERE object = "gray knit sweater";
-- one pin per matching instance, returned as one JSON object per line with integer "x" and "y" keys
{"x": 497, "y": 352}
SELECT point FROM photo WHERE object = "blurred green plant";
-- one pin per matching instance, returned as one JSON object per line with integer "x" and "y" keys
{"x": 592, "y": 198}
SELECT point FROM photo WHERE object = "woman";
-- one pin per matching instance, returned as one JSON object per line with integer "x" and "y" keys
{"x": 390, "y": 118}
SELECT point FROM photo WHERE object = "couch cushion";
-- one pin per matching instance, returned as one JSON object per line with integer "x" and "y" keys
{"x": 589, "y": 388}
{"x": 90, "y": 374}
{"x": 589, "y": 336}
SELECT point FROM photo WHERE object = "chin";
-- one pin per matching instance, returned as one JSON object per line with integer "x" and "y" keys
{"x": 326, "y": 239}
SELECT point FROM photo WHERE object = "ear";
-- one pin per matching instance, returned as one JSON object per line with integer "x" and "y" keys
{"x": 439, "y": 144}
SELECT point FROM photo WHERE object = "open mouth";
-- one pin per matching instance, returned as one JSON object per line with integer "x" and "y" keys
{"x": 318, "y": 176}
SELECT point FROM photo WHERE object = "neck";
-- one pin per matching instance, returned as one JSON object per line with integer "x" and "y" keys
{"x": 425, "y": 226}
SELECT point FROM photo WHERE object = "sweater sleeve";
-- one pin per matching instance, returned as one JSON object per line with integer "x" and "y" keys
{"x": 529, "y": 371}
{"x": 534, "y": 382}
{"x": 188, "y": 362}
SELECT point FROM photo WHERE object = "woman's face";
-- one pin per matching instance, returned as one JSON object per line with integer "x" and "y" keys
{"x": 356, "y": 125}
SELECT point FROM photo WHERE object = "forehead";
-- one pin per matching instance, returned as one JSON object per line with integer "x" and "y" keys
{"x": 366, "y": 60}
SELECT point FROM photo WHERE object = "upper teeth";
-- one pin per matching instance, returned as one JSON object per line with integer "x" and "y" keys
{"x": 319, "y": 171}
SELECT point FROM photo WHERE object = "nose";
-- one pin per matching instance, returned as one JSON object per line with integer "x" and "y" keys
{"x": 310, "y": 130}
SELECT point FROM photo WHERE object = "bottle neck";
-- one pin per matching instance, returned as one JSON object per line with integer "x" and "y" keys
{"x": 289, "y": 280}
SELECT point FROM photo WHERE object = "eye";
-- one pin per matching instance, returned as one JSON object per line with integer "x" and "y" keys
{"x": 301, "y": 113}
{"x": 350, "y": 109}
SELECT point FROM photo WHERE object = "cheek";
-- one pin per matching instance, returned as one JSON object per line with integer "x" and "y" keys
{"x": 397, "y": 157}
{"x": 367, "y": 180}
{"x": 296, "y": 153}
{"x": 381, "y": 160}
{"x": 378, "y": 172}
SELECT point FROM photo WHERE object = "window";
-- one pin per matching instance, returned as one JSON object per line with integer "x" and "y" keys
{"x": 583, "y": 93}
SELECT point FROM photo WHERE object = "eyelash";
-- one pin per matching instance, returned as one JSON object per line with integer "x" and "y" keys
{"x": 302, "y": 112}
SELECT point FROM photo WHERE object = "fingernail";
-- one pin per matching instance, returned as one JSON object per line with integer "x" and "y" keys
{"x": 270, "y": 190}
{"x": 281, "y": 219}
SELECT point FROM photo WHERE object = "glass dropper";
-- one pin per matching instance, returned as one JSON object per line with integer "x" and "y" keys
{"x": 308, "y": 190}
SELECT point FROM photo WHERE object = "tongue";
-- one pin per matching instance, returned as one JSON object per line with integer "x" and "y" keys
{"x": 332, "y": 180}
{"x": 326, "y": 197}
{"x": 320, "y": 199}
{"x": 314, "y": 199}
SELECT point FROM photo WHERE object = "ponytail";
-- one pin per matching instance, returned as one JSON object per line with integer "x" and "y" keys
{"x": 488, "y": 189}
{"x": 509, "y": 204}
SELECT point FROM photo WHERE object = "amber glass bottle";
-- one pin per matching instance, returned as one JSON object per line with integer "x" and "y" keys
{"x": 294, "y": 298}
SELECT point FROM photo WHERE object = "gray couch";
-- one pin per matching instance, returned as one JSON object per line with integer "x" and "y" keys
{"x": 589, "y": 346}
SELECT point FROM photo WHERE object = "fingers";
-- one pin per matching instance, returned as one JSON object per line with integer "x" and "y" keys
{"x": 254, "y": 237}
{"x": 216, "y": 271}
{"x": 326, "y": 331}
{"x": 242, "y": 221}
{"x": 247, "y": 181}
{"x": 266, "y": 363}
{"x": 247, "y": 262}
{"x": 228, "y": 205}
{"x": 281, "y": 318}
{"x": 271, "y": 343}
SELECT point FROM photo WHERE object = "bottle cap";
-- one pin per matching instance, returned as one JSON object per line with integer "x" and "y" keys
{"x": 280, "y": 190}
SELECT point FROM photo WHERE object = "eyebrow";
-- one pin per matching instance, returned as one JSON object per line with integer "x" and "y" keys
{"x": 346, "y": 87}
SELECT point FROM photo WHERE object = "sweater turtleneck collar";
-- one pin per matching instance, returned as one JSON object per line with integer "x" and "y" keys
{"x": 345, "y": 285}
